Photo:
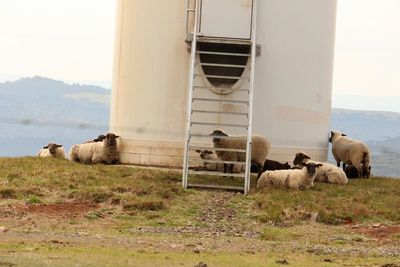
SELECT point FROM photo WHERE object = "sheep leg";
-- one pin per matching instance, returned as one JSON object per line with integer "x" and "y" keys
{"x": 338, "y": 163}
{"x": 344, "y": 166}
{"x": 359, "y": 171}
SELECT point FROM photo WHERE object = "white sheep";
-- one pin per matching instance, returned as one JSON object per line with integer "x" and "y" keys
{"x": 294, "y": 179}
{"x": 259, "y": 150}
{"x": 52, "y": 150}
{"x": 214, "y": 166}
{"x": 96, "y": 152}
{"x": 327, "y": 173}
{"x": 352, "y": 152}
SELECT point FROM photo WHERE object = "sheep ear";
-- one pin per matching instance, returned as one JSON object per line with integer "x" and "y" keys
{"x": 45, "y": 147}
{"x": 344, "y": 134}
{"x": 209, "y": 152}
{"x": 319, "y": 165}
{"x": 117, "y": 136}
{"x": 58, "y": 145}
{"x": 198, "y": 150}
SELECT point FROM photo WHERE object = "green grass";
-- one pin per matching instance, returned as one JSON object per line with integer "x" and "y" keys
{"x": 126, "y": 199}
{"x": 38, "y": 180}
{"x": 44, "y": 254}
{"x": 362, "y": 200}
{"x": 157, "y": 193}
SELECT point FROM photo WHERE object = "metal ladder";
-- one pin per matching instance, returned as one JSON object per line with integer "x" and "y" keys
{"x": 197, "y": 129}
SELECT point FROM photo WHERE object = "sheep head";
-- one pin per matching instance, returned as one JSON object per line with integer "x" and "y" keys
{"x": 312, "y": 168}
{"x": 300, "y": 159}
{"x": 52, "y": 148}
{"x": 99, "y": 138}
{"x": 110, "y": 139}
{"x": 205, "y": 154}
{"x": 215, "y": 135}
{"x": 335, "y": 135}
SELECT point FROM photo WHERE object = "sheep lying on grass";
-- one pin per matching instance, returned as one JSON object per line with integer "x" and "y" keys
{"x": 52, "y": 150}
{"x": 259, "y": 151}
{"x": 352, "y": 152}
{"x": 213, "y": 166}
{"x": 327, "y": 173}
{"x": 295, "y": 179}
{"x": 272, "y": 165}
{"x": 96, "y": 152}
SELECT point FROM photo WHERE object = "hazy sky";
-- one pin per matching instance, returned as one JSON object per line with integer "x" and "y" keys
{"x": 72, "y": 40}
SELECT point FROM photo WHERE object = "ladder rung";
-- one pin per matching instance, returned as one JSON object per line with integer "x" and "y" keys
{"x": 222, "y": 77}
{"x": 218, "y": 161}
{"x": 220, "y": 100}
{"x": 218, "y": 149}
{"x": 223, "y": 65}
{"x": 224, "y": 187}
{"x": 216, "y": 173}
{"x": 223, "y": 54}
{"x": 219, "y": 112}
{"x": 216, "y": 88}
{"x": 219, "y": 124}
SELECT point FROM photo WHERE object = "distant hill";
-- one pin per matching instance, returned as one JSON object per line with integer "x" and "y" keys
{"x": 366, "y": 125}
{"x": 379, "y": 129}
{"x": 34, "y": 111}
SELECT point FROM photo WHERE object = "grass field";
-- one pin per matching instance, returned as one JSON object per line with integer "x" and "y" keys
{"x": 57, "y": 213}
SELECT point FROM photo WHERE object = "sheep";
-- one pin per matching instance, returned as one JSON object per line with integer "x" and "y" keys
{"x": 99, "y": 138}
{"x": 214, "y": 166}
{"x": 52, "y": 150}
{"x": 352, "y": 172}
{"x": 352, "y": 152}
{"x": 294, "y": 179}
{"x": 97, "y": 152}
{"x": 327, "y": 173}
{"x": 259, "y": 150}
{"x": 272, "y": 165}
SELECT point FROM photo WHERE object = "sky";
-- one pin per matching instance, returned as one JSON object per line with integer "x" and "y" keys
{"x": 69, "y": 40}
{"x": 72, "y": 40}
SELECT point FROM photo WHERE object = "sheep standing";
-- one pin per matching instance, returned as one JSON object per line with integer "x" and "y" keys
{"x": 327, "y": 173}
{"x": 259, "y": 150}
{"x": 294, "y": 179}
{"x": 97, "y": 152}
{"x": 52, "y": 150}
{"x": 272, "y": 165}
{"x": 352, "y": 152}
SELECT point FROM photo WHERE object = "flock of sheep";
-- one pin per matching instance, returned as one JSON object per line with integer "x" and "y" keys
{"x": 102, "y": 149}
{"x": 354, "y": 154}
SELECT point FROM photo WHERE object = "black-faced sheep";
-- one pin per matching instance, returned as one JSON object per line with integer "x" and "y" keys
{"x": 272, "y": 165}
{"x": 96, "y": 152}
{"x": 294, "y": 179}
{"x": 327, "y": 173}
{"x": 259, "y": 150}
{"x": 214, "y": 166}
{"x": 99, "y": 138}
{"x": 352, "y": 172}
{"x": 52, "y": 150}
{"x": 350, "y": 151}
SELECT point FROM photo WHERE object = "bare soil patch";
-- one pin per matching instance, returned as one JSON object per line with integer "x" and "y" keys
{"x": 380, "y": 231}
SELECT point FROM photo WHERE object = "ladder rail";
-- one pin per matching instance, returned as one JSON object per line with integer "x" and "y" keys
{"x": 251, "y": 91}
{"x": 190, "y": 94}
{"x": 188, "y": 146}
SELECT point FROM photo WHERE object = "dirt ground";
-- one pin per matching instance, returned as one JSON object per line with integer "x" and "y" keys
{"x": 216, "y": 227}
